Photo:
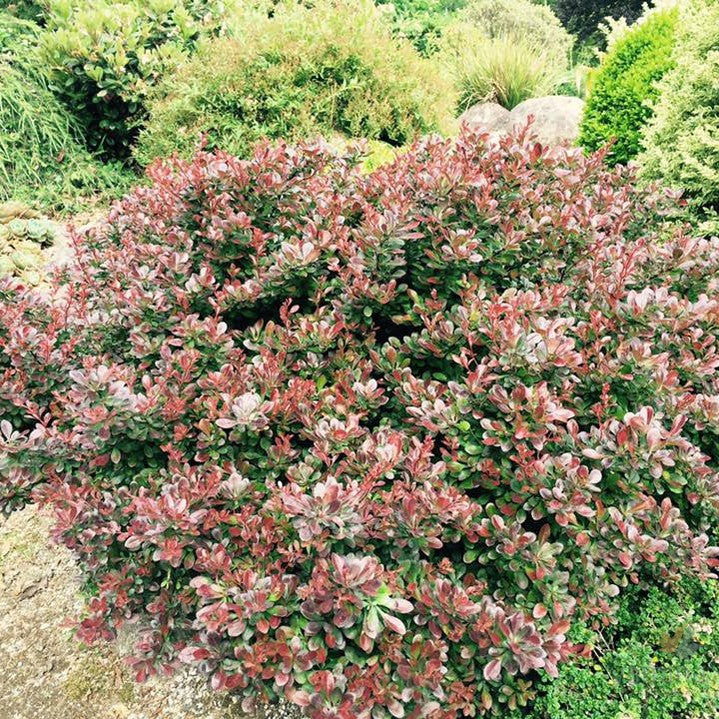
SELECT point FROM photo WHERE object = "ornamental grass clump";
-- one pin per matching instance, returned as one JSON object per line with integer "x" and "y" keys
{"x": 371, "y": 442}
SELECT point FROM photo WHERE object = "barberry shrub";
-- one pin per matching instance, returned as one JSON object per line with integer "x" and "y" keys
{"x": 371, "y": 442}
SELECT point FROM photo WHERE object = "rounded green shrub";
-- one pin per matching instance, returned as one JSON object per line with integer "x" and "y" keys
{"x": 681, "y": 141}
{"x": 521, "y": 20}
{"x": 332, "y": 68}
{"x": 106, "y": 56}
{"x": 618, "y": 105}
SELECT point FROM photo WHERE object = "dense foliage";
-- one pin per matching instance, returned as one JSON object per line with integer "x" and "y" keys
{"x": 106, "y": 56}
{"x": 422, "y": 21}
{"x": 504, "y": 51}
{"x": 584, "y": 16}
{"x": 682, "y": 139}
{"x": 41, "y": 153}
{"x": 621, "y": 92}
{"x": 659, "y": 660}
{"x": 371, "y": 442}
{"x": 24, "y": 9}
{"x": 519, "y": 20}
{"x": 331, "y": 68}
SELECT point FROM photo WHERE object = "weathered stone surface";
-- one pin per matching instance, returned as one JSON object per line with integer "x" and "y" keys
{"x": 486, "y": 116}
{"x": 556, "y": 117}
{"x": 46, "y": 674}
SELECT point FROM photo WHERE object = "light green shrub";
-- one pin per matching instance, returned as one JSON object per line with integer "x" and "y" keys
{"x": 681, "y": 141}
{"x": 105, "y": 57}
{"x": 521, "y": 20}
{"x": 618, "y": 105}
{"x": 422, "y": 21}
{"x": 332, "y": 68}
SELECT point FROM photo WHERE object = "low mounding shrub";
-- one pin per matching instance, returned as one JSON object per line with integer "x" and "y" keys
{"x": 681, "y": 141}
{"x": 331, "y": 68}
{"x": 106, "y": 56}
{"x": 583, "y": 17}
{"x": 659, "y": 660}
{"x": 619, "y": 102}
{"x": 371, "y": 442}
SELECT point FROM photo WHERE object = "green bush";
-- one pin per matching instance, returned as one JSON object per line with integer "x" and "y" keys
{"x": 422, "y": 21}
{"x": 682, "y": 139}
{"x": 334, "y": 68}
{"x": 620, "y": 92}
{"x": 25, "y": 9}
{"x": 521, "y": 20}
{"x": 658, "y": 661}
{"x": 505, "y": 51}
{"x": 105, "y": 57}
{"x": 42, "y": 159}
{"x": 38, "y": 139}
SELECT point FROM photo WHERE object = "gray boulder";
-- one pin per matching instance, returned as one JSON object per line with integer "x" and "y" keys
{"x": 556, "y": 117}
{"x": 486, "y": 117}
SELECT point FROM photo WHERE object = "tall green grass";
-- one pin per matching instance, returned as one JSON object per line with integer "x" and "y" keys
{"x": 41, "y": 155}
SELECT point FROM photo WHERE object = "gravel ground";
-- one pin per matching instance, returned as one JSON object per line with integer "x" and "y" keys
{"x": 46, "y": 674}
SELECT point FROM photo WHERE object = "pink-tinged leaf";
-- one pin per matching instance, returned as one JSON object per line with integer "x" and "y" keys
{"x": 226, "y": 423}
{"x": 191, "y": 655}
{"x": 393, "y": 623}
{"x": 493, "y": 670}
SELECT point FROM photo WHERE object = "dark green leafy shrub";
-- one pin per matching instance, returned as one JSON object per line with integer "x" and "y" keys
{"x": 331, "y": 68}
{"x": 618, "y": 105}
{"x": 582, "y": 17}
{"x": 105, "y": 56}
{"x": 660, "y": 660}
{"x": 25, "y": 9}
{"x": 681, "y": 141}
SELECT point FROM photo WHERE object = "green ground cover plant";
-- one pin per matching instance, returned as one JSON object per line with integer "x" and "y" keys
{"x": 658, "y": 660}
